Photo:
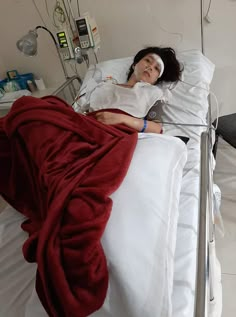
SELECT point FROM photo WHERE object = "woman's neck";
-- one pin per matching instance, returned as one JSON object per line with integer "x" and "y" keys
{"x": 126, "y": 85}
{"x": 131, "y": 82}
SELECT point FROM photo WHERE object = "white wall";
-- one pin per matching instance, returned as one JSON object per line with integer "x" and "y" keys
{"x": 125, "y": 27}
{"x": 17, "y": 17}
{"x": 220, "y": 46}
{"x": 2, "y": 68}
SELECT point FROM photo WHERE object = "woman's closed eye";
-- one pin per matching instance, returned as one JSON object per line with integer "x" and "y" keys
{"x": 150, "y": 62}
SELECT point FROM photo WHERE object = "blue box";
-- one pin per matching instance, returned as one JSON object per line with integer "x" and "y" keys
{"x": 2, "y": 83}
{"x": 21, "y": 80}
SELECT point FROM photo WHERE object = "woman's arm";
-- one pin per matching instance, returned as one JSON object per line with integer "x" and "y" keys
{"x": 135, "y": 123}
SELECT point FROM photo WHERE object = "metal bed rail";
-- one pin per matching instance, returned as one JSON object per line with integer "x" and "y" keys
{"x": 204, "y": 283}
{"x": 71, "y": 94}
{"x": 202, "y": 276}
{"x": 206, "y": 231}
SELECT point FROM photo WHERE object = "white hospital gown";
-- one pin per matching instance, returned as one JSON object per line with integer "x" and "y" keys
{"x": 136, "y": 101}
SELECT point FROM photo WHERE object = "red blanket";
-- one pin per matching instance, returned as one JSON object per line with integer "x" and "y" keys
{"x": 58, "y": 168}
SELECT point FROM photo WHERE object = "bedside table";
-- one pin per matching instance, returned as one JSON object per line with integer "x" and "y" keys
{"x": 6, "y": 106}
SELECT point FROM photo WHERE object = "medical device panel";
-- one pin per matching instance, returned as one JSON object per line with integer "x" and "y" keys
{"x": 65, "y": 45}
{"x": 84, "y": 31}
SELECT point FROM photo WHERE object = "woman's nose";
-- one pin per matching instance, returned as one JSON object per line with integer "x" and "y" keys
{"x": 149, "y": 67}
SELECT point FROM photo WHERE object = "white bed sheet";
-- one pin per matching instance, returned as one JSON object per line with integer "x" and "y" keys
{"x": 187, "y": 103}
{"x": 139, "y": 240}
{"x": 186, "y": 244}
{"x": 183, "y": 298}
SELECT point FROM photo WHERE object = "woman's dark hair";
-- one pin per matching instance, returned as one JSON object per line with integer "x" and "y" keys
{"x": 172, "y": 70}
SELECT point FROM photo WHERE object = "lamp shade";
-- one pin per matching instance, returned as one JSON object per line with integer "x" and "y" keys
{"x": 28, "y": 43}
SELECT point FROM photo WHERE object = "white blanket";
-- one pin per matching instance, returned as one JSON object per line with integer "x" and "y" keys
{"x": 139, "y": 240}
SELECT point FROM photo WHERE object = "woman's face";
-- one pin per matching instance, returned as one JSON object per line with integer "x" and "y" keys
{"x": 147, "y": 69}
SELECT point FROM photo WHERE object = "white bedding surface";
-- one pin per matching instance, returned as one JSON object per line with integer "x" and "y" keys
{"x": 186, "y": 244}
{"x": 188, "y": 103}
{"x": 183, "y": 298}
{"x": 16, "y": 275}
{"x": 139, "y": 240}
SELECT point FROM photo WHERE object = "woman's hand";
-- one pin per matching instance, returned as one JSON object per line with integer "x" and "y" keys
{"x": 135, "y": 123}
{"x": 110, "y": 117}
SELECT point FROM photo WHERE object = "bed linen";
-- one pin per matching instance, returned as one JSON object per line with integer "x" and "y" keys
{"x": 61, "y": 157}
{"x": 187, "y": 235}
{"x": 183, "y": 297}
{"x": 189, "y": 104}
{"x": 139, "y": 240}
{"x": 186, "y": 102}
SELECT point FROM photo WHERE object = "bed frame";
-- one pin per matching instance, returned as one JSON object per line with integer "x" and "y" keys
{"x": 206, "y": 233}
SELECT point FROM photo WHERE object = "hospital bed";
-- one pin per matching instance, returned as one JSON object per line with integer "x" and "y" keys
{"x": 159, "y": 240}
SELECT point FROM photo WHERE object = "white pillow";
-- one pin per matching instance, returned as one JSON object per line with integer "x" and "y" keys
{"x": 186, "y": 104}
{"x": 188, "y": 101}
{"x": 116, "y": 68}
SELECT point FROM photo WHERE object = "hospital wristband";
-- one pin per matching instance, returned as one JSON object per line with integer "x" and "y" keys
{"x": 144, "y": 125}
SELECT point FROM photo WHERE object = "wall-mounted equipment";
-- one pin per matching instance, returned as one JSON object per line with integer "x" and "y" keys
{"x": 85, "y": 35}
{"x": 66, "y": 48}
{"x": 88, "y": 32}
{"x": 95, "y": 33}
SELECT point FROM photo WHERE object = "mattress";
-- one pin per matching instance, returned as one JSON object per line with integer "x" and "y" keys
{"x": 187, "y": 234}
{"x": 139, "y": 240}
{"x": 184, "y": 292}
{"x": 187, "y": 102}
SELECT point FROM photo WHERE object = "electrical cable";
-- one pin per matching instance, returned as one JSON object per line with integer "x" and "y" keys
{"x": 180, "y": 35}
{"x": 59, "y": 14}
{"x": 156, "y": 19}
{"x": 203, "y": 52}
{"x": 96, "y": 58}
{"x": 37, "y": 9}
{"x": 52, "y": 51}
{"x": 202, "y": 28}
{"x": 78, "y": 7}
{"x": 208, "y": 10}
{"x": 71, "y": 11}
{"x": 71, "y": 15}
{"x": 46, "y": 5}
{"x": 68, "y": 17}
{"x": 211, "y": 93}
{"x": 186, "y": 124}
{"x": 88, "y": 61}
{"x": 74, "y": 69}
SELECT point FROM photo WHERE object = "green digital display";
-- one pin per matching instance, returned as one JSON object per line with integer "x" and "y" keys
{"x": 61, "y": 36}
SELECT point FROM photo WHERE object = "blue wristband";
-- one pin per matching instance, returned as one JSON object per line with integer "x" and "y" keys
{"x": 144, "y": 125}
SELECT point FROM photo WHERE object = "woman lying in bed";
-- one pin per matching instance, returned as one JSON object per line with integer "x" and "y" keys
{"x": 70, "y": 165}
{"x": 150, "y": 67}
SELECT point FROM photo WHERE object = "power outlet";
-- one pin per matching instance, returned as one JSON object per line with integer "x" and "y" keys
{"x": 66, "y": 55}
